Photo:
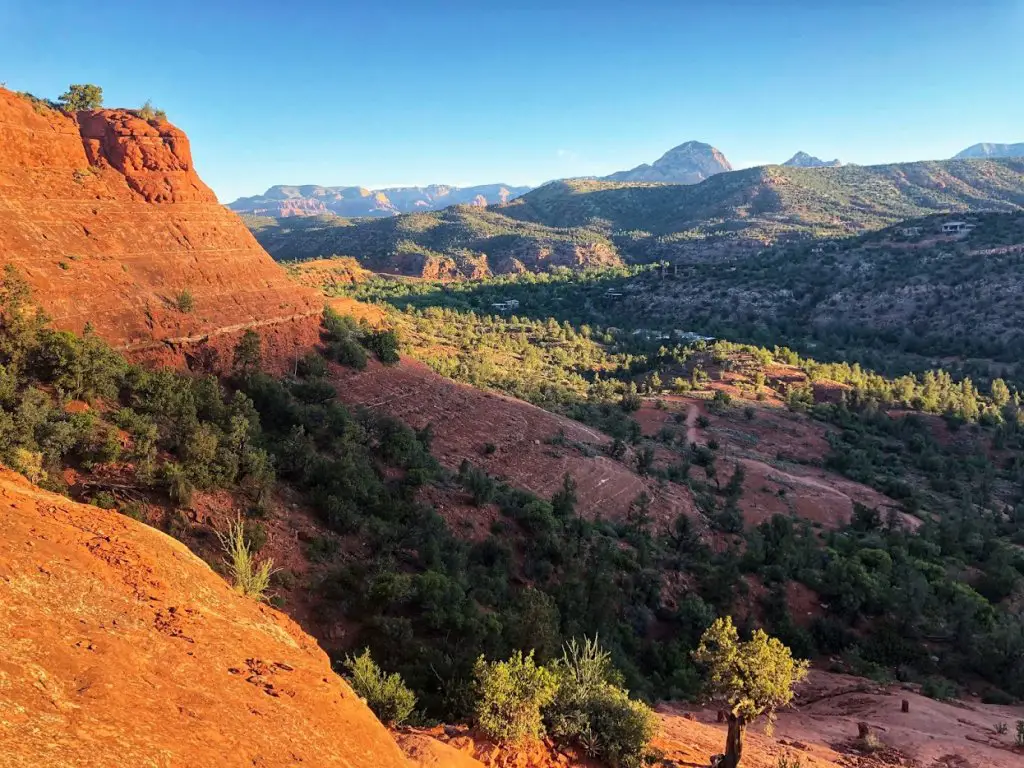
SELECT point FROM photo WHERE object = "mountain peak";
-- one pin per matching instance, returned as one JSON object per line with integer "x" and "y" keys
{"x": 991, "y": 150}
{"x": 804, "y": 160}
{"x": 689, "y": 163}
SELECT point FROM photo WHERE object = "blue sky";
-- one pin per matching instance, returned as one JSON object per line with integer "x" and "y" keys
{"x": 381, "y": 94}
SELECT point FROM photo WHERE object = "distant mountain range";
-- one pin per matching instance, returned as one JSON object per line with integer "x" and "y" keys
{"x": 803, "y": 160}
{"x": 357, "y": 202}
{"x": 689, "y": 163}
{"x": 578, "y": 223}
{"x": 992, "y": 150}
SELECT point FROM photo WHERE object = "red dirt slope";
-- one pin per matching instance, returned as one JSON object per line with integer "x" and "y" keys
{"x": 105, "y": 215}
{"x": 821, "y": 730}
{"x": 120, "y": 647}
{"x": 533, "y": 448}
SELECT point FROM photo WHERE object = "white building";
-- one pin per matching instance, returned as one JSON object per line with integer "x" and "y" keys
{"x": 956, "y": 227}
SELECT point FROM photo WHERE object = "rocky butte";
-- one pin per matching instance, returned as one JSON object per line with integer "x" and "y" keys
{"x": 104, "y": 214}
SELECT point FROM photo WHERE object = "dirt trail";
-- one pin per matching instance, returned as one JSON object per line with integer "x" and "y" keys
{"x": 691, "y": 423}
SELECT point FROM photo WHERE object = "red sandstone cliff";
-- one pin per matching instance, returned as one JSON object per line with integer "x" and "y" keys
{"x": 105, "y": 215}
{"x": 122, "y": 648}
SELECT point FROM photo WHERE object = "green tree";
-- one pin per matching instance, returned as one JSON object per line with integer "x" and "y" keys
{"x": 248, "y": 354}
{"x": 750, "y": 678}
{"x": 1000, "y": 392}
{"x": 81, "y": 97}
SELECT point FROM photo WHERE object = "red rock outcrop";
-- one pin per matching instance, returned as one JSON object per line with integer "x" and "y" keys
{"x": 122, "y": 648}
{"x": 104, "y": 214}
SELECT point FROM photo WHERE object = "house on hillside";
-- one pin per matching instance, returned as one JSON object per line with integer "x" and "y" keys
{"x": 506, "y": 306}
{"x": 956, "y": 228}
{"x": 689, "y": 337}
{"x": 611, "y": 293}
{"x": 910, "y": 231}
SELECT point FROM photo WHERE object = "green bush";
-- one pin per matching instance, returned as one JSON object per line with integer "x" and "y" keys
{"x": 104, "y": 500}
{"x": 148, "y": 112}
{"x": 387, "y": 695}
{"x": 592, "y": 711}
{"x": 184, "y": 301}
{"x": 176, "y": 481}
{"x": 250, "y": 578}
{"x": 938, "y": 688}
{"x": 510, "y": 697}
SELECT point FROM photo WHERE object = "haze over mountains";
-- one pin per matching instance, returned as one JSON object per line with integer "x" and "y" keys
{"x": 352, "y": 202}
{"x": 689, "y": 163}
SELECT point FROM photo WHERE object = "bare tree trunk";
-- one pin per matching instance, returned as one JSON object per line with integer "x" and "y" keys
{"x": 734, "y": 742}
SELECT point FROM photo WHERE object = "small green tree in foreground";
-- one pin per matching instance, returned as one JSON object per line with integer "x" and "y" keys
{"x": 387, "y": 695}
{"x": 749, "y": 679}
{"x": 81, "y": 97}
{"x": 250, "y": 578}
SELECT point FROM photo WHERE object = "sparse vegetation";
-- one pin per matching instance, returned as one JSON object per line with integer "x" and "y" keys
{"x": 148, "y": 112}
{"x": 387, "y": 695}
{"x": 250, "y": 577}
{"x": 184, "y": 301}
{"x": 510, "y": 697}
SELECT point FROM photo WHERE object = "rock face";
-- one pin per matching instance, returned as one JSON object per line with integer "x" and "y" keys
{"x": 311, "y": 200}
{"x": 123, "y": 648}
{"x": 689, "y": 163}
{"x": 106, "y": 217}
{"x": 991, "y": 150}
{"x": 803, "y": 160}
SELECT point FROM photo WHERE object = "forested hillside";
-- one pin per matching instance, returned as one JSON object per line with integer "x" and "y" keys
{"x": 582, "y": 223}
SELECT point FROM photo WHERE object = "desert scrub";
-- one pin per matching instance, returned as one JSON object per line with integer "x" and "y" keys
{"x": 591, "y": 710}
{"x": 510, "y": 697}
{"x": 250, "y": 578}
{"x": 184, "y": 301}
{"x": 387, "y": 695}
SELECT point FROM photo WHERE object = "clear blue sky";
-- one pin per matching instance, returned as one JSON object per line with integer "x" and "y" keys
{"x": 481, "y": 91}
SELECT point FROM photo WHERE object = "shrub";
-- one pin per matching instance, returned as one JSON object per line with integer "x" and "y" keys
{"x": 1001, "y": 729}
{"x": 135, "y": 510}
{"x": 593, "y": 712}
{"x": 322, "y": 549}
{"x": 1020, "y": 733}
{"x": 104, "y": 500}
{"x": 312, "y": 366}
{"x": 510, "y": 696}
{"x": 387, "y": 695}
{"x": 81, "y": 97}
{"x": 997, "y": 696}
{"x": 938, "y": 688}
{"x": 250, "y": 578}
{"x": 184, "y": 301}
{"x": 148, "y": 112}
{"x": 385, "y": 345}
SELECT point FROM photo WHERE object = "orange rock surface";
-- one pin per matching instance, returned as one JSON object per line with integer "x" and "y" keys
{"x": 122, "y": 648}
{"x": 105, "y": 215}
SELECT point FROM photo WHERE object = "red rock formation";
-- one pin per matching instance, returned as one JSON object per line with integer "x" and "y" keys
{"x": 104, "y": 214}
{"x": 122, "y": 648}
